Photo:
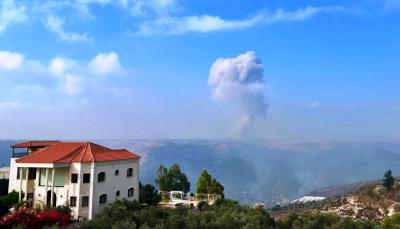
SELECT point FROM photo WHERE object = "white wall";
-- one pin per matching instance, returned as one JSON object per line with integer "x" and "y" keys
{"x": 113, "y": 183}
{"x": 84, "y": 189}
{"x": 13, "y": 176}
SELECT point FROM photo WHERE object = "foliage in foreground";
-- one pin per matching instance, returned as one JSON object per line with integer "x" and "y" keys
{"x": 3, "y": 187}
{"x": 227, "y": 214}
{"x": 124, "y": 214}
{"x": 8, "y": 201}
{"x": 33, "y": 219}
{"x": 317, "y": 221}
{"x": 148, "y": 194}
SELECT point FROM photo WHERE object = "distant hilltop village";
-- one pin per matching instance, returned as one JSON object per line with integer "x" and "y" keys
{"x": 85, "y": 175}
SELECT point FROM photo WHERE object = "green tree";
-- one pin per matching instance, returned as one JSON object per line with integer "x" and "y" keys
{"x": 392, "y": 222}
{"x": 3, "y": 187}
{"x": 208, "y": 185}
{"x": 148, "y": 194}
{"x": 388, "y": 180}
{"x": 6, "y": 202}
{"x": 172, "y": 179}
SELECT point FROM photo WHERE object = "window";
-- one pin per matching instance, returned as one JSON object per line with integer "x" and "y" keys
{"x": 101, "y": 177}
{"x": 130, "y": 192}
{"x": 103, "y": 199}
{"x": 59, "y": 175}
{"x": 19, "y": 171}
{"x": 85, "y": 201}
{"x": 129, "y": 172}
{"x": 32, "y": 174}
{"x": 86, "y": 178}
{"x": 72, "y": 201}
{"x": 117, "y": 172}
{"x": 74, "y": 178}
{"x": 117, "y": 193}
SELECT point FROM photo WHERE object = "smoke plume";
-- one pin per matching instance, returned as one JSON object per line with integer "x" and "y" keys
{"x": 240, "y": 80}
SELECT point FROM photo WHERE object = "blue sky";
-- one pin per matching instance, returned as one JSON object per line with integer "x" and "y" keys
{"x": 124, "y": 69}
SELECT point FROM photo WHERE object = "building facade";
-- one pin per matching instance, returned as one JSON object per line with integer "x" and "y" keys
{"x": 84, "y": 175}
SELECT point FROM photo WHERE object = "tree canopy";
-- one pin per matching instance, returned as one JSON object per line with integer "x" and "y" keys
{"x": 172, "y": 179}
{"x": 208, "y": 185}
{"x": 148, "y": 194}
{"x": 388, "y": 180}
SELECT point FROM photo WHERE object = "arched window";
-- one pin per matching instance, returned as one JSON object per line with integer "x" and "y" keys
{"x": 101, "y": 177}
{"x": 116, "y": 172}
{"x": 103, "y": 199}
{"x": 117, "y": 193}
{"x": 130, "y": 192}
{"x": 129, "y": 172}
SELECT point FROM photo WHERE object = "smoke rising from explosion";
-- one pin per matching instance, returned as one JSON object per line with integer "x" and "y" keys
{"x": 240, "y": 79}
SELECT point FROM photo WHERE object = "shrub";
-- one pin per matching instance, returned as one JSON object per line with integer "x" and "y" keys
{"x": 3, "y": 187}
{"x": 117, "y": 215}
{"x": 310, "y": 220}
{"x": 32, "y": 219}
{"x": 6, "y": 202}
{"x": 148, "y": 194}
{"x": 226, "y": 202}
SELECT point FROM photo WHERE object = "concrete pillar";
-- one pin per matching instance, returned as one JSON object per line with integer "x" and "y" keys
{"x": 26, "y": 183}
{"x": 20, "y": 184}
{"x": 91, "y": 192}
{"x": 52, "y": 187}
{"x": 46, "y": 185}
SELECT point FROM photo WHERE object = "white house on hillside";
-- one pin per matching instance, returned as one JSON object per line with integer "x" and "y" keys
{"x": 84, "y": 174}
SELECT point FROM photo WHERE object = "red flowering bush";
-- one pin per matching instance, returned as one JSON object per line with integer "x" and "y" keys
{"x": 33, "y": 219}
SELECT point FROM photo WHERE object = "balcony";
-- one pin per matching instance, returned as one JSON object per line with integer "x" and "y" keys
{"x": 18, "y": 155}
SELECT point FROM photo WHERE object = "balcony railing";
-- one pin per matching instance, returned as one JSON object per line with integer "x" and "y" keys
{"x": 18, "y": 155}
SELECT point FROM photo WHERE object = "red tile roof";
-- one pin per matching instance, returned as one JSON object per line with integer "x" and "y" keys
{"x": 68, "y": 152}
{"x": 34, "y": 144}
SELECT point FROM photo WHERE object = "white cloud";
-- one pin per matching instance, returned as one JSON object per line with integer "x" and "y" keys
{"x": 10, "y": 60}
{"x": 10, "y": 13}
{"x": 145, "y": 7}
{"x": 200, "y": 24}
{"x": 138, "y": 8}
{"x": 57, "y": 66}
{"x": 56, "y": 25}
{"x": 105, "y": 64}
{"x": 71, "y": 84}
{"x": 207, "y": 23}
{"x": 298, "y": 15}
{"x": 101, "y": 2}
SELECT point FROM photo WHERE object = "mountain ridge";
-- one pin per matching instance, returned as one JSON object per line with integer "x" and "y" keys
{"x": 270, "y": 172}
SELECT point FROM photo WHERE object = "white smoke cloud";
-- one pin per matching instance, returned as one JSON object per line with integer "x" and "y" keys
{"x": 10, "y": 60}
{"x": 240, "y": 79}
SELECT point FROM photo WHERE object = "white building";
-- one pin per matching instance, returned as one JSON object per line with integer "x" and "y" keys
{"x": 85, "y": 175}
{"x": 4, "y": 172}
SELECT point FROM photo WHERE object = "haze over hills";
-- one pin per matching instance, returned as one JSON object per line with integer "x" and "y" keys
{"x": 265, "y": 171}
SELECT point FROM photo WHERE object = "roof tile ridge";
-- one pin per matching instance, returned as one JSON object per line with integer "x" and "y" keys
{"x": 74, "y": 151}
{"x": 85, "y": 145}
{"x": 103, "y": 147}
{"x": 91, "y": 152}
